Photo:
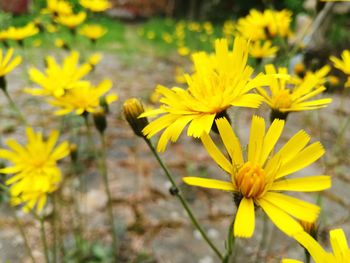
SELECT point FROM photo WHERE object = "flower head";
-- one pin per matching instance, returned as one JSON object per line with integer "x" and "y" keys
{"x": 58, "y": 78}
{"x": 58, "y": 7}
{"x": 83, "y": 97}
{"x": 34, "y": 168}
{"x": 93, "y": 31}
{"x": 96, "y": 5}
{"x": 72, "y": 20}
{"x": 219, "y": 81}
{"x": 20, "y": 33}
{"x": 7, "y": 64}
{"x": 343, "y": 64}
{"x": 261, "y": 49}
{"x": 265, "y": 25}
{"x": 133, "y": 108}
{"x": 341, "y": 250}
{"x": 259, "y": 180}
{"x": 286, "y": 97}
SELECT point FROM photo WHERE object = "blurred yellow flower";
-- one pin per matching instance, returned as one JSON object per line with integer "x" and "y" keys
{"x": 57, "y": 79}
{"x": 284, "y": 99}
{"x": 259, "y": 49}
{"x": 83, "y": 97}
{"x": 167, "y": 38}
{"x": 320, "y": 75}
{"x": 7, "y": 64}
{"x": 183, "y": 51}
{"x": 51, "y": 28}
{"x": 35, "y": 169}
{"x": 58, "y": 7}
{"x": 72, "y": 20}
{"x": 59, "y": 42}
{"x": 343, "y": 64}
{"x": 219, "y": 81}
{"x": 93, "y": 31}
{"x": 260, "y": 180}
{"x": 94, "y": 59}
{"x": 265, "y": 25}
{"x": 20, "y": 33}
{"x": 150, "y": 35}
{"x": 37, "y": 43}
{"x": 341, "y": 250}
{"x": 96, "y": 5}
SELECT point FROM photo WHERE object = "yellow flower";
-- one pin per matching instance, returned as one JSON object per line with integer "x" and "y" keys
{"x": 83, "y": 97}
{"x": 59, "y": 42}
{"x": 343, "y": 64}
{"x": 260, "y": 180}
{"x": 341, "y": 250}
{"x": 93, "y": 31}
{"x": 219, "y": 81}
{"x": 167, "y": 38}
{"x": 284, "y": 99}
{"x": 320, "y": 75}
{"x": 51, "y": 28}
{"x": 96, "y": 5}
{"x": 7, "y": 64}
{"x": 20, "y": 33}
{"x": 94, "y": 59}
{"x": 183, "y": 51}
{"x": 261, "y": 50}
{"x": 72, "y": 20}
{"x": 261, "y": 26}
{"x": 35, "y": 170}
{"x": 59, "y": 7}
{"x": 58, "y": 78}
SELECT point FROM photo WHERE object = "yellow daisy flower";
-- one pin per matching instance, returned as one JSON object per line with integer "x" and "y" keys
{"x": 72, "y": 20}
{"x": 260, "y": 180}
{"x": 93, "y": 31}
{"x": 20, "y": 33}
{"x": 284, "y": 99}
{"x": 35, "y": 169}
{"x": 265, "y": 25}
{"x": 343, "y": 64}
{"x": 341, "y": 250}
{"x": 262, "y": 50}
{"x": 7, "y": 64}
{"x": 96, "y": 5}
{"x": 320, "y": 75}
{"x": 58, "y": 78}
{"x": 95, "y": 58}
{"x": 219, "y": 81}
{"x": 58, "y": 7}
{"x": 83, "y": 97}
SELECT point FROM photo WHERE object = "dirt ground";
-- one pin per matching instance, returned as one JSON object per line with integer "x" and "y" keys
{"x": 148, "y": 218}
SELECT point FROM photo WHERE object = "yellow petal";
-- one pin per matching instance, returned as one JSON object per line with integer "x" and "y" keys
{"x": 280, "y": 218}
{"x": 339, "y": 243}
{"x": 304, "y": 158}
{"x": 311, "y": 245}
{"x": 288, "y": 260}
{"x": 297, "y": 208}
{"x": 245, "y": 219}
{"x": 257, "y": 133}
{"x": 305, "y": 184}
{"x": 209, "y": 183}
{"x": 230, "y": 140}
{"x": 216, "y": 154}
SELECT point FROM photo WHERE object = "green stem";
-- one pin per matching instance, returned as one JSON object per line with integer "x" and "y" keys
{"x": 103, "y": 169}
{"x": 263, "y": 240}
{"x": 183, "y": 201}
{"x": 15, "y": 108}
{"x": 230, "y": 243}
{"x": 54, "y": 227}
{"x": 43, "y": 238}
{"x": 23, "y": 234}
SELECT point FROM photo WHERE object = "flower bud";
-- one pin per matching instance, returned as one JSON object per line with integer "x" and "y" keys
{"x": 132, "y": 110}
{"x": 100, "y": 120}
{"x": 73, "y": 150}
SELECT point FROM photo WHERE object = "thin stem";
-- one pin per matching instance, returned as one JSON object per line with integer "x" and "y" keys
{"x": 15, "y": 108}
{"x": 54, "y": 226}
{"x": 230, "y": 243}
{"x": 183, "y": 201}
{"x": 103, "y": 170}
{"x": 43, "y": 238}
{"x": 23, "y": 234}
{"x": 263, "y": 240}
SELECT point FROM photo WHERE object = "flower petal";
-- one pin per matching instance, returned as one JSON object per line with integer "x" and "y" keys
{"x": 245, "y": 219}
{"x": 209, "y": 183}
{"x": 305, "y": 184}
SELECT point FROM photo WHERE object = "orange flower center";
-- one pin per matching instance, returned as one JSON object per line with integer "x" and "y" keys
{"x": 251, "y": 180}
{"x": 282, "y": 99}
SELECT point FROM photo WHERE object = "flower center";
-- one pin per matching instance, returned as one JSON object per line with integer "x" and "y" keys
{"x": 282, "y": 99}
{"x": 251, "y": 180}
